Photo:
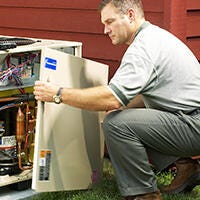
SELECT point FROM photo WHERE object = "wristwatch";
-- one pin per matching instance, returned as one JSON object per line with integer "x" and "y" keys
{"x": 57, "y": 98}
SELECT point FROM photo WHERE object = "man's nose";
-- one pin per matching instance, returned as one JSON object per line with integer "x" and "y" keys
{"x": 106, "y": 30}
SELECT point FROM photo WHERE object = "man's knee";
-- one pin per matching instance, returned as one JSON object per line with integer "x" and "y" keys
{"x": 109, "y": 122}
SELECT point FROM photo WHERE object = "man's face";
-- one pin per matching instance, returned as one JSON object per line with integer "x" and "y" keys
{"x": 116, "y": 25}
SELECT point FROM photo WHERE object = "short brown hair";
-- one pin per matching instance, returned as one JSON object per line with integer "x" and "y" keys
{"x": 124, "y": 5}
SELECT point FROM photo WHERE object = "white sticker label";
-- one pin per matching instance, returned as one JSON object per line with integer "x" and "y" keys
{"x": 8, "y": 141}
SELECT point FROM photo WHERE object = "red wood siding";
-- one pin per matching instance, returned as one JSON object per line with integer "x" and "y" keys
{"x": 175, "y": 17}
{"x": 193, "y": 4}
{"x": 79, "y": 20}
{"x": 193, "y": 26}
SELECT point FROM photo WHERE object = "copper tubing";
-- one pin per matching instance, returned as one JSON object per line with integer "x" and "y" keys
{"x": 20, "y": 131}
{"x": 20, "y": 159}
{"x": 31, "y": 128}
{"x": 20, "y": 135}
{"x": 5, "y": 99}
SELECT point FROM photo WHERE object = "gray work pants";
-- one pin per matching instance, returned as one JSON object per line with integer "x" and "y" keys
{"x": 135, "y": 136}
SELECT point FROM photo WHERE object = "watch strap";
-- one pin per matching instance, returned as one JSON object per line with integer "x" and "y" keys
{"x": 59, "y": 91}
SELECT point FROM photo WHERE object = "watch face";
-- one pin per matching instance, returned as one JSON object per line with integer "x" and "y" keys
{"x": 57, "y": 99}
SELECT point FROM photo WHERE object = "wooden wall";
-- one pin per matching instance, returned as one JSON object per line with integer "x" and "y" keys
{"x": 193, "y": 26}
{"x": 182, "y": 17}
{"x": 78, "y": 20}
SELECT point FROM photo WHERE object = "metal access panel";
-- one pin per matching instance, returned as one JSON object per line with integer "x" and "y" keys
{"x": 69, "y": 143}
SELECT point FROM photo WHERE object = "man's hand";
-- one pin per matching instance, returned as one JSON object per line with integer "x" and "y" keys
{"x": 44, "y": 91}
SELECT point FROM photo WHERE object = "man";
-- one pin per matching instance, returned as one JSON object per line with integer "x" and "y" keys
{"x": 160, "y": 70}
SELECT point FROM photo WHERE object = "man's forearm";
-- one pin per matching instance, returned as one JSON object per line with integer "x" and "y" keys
{"x": 97, "y": 98}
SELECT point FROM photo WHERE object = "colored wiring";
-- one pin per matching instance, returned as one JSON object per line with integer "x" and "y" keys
{"x": 15, "y": 70}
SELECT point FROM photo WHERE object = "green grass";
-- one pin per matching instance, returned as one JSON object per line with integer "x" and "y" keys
{"x": 108, "y": 190}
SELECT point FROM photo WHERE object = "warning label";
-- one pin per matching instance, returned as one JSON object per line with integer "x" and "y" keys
{"x": 44, "y": 165}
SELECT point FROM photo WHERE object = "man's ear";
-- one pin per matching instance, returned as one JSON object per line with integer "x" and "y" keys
{"x": 131, "y": 15}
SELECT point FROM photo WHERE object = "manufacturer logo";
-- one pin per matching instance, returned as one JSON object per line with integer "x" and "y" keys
{"x": 50, "y": 63}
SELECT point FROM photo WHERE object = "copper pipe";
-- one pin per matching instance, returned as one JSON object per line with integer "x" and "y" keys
{"x": 20, "y": 159}
{"x": 20, "y": 126}
{"x": 20, "y": 136}
{"x": 5, "y": 99}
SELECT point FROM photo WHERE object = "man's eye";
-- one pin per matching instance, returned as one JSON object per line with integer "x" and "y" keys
{"x": 109, "y": 21}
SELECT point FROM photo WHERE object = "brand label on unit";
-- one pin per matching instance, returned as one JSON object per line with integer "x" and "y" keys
{"x": 50, "y": 63}
{"x": 44, "y": 164}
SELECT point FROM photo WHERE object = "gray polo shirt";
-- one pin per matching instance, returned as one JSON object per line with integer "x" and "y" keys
{"x": 161, "y": 68}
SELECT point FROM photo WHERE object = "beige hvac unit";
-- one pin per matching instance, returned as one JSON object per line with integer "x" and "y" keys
{"x": 58, "y": 147}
